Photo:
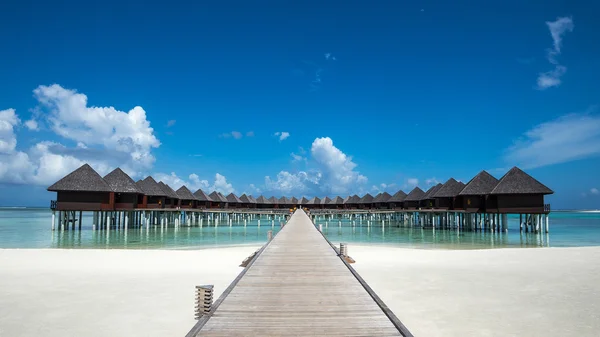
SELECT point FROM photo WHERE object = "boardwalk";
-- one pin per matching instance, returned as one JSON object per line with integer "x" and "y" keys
{"x": 298, "y": 286}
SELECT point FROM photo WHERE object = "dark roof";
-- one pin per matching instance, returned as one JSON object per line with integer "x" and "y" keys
{"x": 233, "y": 199}
{"x": 450, "y": 189}
{"x": 314, "y": 201}
{"x": 217, "y": 197}
{"x": 284, "y": 201}
{"x": 346, "y": 199}
{"x": 303, "y": 201}
{"x": 294, "y": 200}
{"x": 325, "y": 201}
{"x": 185, "y": 194}
{"x": 483, "y": 183}
{"x": 262, "y": 200}
{"x": 246, "y": 199}
{"x": 382, "y": 197}
{"x": 202, "y": 196}
{"x": 516, "y": 181}
{"x": 151, "y": 188}
{"x": 398, "y": 197}
{"x": 170, "y": 192}
{"x": 431, "y": 192}
{"x": 251, "y": 199}
{"x": 415, "y": 195}
{"x": 337, "y": 201}
{"x": 274, "y": 200}
{"x": 366, "y": 199}
{"x": 355, "y": 199}
{"x": 120, "y": 182}
{"x": 82, "y": 179}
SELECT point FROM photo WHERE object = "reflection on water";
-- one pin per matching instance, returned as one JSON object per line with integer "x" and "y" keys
{"x": 30, "y": 228}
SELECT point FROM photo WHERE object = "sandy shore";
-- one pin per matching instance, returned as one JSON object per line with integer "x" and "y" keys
{"x": 503, "y": 292}
{"x": 500, "y": 292}
{"x": 60, "y": 292}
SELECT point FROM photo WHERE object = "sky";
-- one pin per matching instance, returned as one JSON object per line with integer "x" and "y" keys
{"x": 300, "y": 97}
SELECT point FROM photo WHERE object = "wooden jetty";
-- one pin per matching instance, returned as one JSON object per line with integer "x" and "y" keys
{"x": 298, "y": 285}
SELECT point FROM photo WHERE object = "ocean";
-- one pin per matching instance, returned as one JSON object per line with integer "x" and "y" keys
{"x": 31, "y": 228}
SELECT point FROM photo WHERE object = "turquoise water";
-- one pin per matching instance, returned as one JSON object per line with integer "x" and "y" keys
{"x": 30, "y": 228}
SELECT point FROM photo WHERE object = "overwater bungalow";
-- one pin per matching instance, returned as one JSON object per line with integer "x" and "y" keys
{"x": 447, "y": 197}
{"x": 262, "y": 203}
{"x": 83, "y": 189}
{"x": 204, "y": 200}
{"x": 303, "y": 201}
{"x": 366, "y": 202}
{"x": 284, "y": 202}
{"x": 172, "y": 199}
{"x": 217, "y": 200}
{"x": 325, "y": 202}
{"x": 294, "y": 201}
{"x": 315, "y": 203}
{"x": 427, "y": 200}
{"x": 154, "y": 196}
{"x": 126, "y": 191}
{"x": 475, "y": 194}
{"x": 352, "y": 202}
{"x": 247, "y": 202}
{"x": 186, "y": 198}
{"x": 397, "y": 200}
{"x": 518, "y": 192}
{"x": 234, "y": 202}
{"x": 413, "y": 199}
{"x": 381, "y": 200}
{"x": 274, "y": 202}
{"x": 336, "y": 203}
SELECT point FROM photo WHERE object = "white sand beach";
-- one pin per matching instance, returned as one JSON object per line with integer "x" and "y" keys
{"x": 502, "y": 292}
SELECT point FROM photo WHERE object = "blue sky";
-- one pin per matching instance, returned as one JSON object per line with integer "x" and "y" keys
{"x": 368, "y": 96}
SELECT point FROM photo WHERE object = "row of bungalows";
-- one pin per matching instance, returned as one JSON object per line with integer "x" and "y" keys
{"x": 85, "y": 190}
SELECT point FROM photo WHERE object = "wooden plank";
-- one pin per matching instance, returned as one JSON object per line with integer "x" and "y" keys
{"x": 298, "y": 285}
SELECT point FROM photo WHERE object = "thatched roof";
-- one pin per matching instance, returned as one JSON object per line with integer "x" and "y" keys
{"x": 185, "y": 194}
{"x": 170, "y": 192}
{"x": 398, "y": 197}
{"x": 450, "y": 189}
{"x": 232, "y": 198}
{"x": 366, "y": 199}
{"x": 251, "y": 199}
{"x": 294, "y": 200}
{"x": 337, "y": 201}
{"x": 217, "y": 197}
{"x": 274, "y": 200}
{"x": 346, "y": 199}
{"x": 516, "y": 181}
{"x": 382, "y": 197}
{"x": 483, "y": 183}
{"x": 431, "y": 192}
{"x": 262, "y": 200}
{"x": 120, "y": 182}
{"x": 314, "y": 201}
{"x": 82, "y": 179}
{"x": 303, "y": 201}
{"x": 247, "y": 199}
{"x": 151, "y": 188}
{"x": 415, "y": 195}
{"x": 284, "y": 201}
{"x": 325, "y": 201}
{"x": 202, "y": 196}
{"x": 355, "y": 199}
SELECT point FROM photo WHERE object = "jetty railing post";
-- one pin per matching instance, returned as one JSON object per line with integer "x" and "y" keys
{"x": 343, "y": 249}
{"x": 204, "y": 300}
{"x": 269, "y": 235}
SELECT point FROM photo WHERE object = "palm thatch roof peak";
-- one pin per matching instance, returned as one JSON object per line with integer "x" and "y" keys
{"x": 415, "y": 195}
{"x": 450, "y": 189}
{"x": 515, "y": 181}
{"x": 151, "y": 188}
{"x": 85, "y": 178}
{"x": 185, "y": 194}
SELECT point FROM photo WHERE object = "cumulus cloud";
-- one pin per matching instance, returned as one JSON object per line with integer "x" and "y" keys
{"x": 331, "y": 172}
{"x": 8, "y": 121}
{"x": 594, "y": 191}
{"x": 282, "y": 135}
{"x": 431, "y": 181}
{"x": 193, "y": 182}
{"x": 411, "y": 183}
{"x": 570, "y": 137}
{"x": 32, "y": 125}
{"x": 557, "y": 29}
{"x": 383, "y": 187}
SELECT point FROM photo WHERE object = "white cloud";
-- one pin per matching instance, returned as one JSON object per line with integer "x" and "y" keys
{"x": 384, "y": 188}
{"x": 70, "y": 117}
{"x": 194, "y": 182}
{"x": 332, "y": 172}
{"x": 32, "y": 125}
{"x": 234, "y": 134}
{"x": 8, "y": 121}
{"x": 411, "y": 183}
{"x": 557, "y": 29}
{"x": 297, "y": 158}
{"x": 594, "y": 191}
{"x": 282, "y": 135}
{"x": 171, "y": 123}
{"x": 431, "y": 181}
{"x": 568, "y": 138}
